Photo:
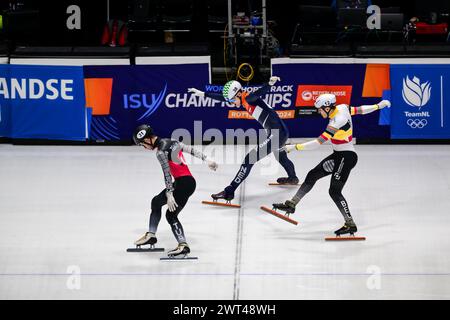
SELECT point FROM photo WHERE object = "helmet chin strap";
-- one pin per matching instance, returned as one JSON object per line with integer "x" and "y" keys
{"x": 329, "y": 111}
{"x": 151, "y": 144}
{"x": 232, "y": 100}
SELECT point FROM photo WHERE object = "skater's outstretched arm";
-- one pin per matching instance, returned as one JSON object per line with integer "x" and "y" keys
{"x": 313, "y": 144}
{"x": 215, "y": 96}
{"x": 369, "y": 108}
{"x": 262, "y": 90}
{"x": 192, "y": 151}
{"x": 212, "y": 95}
{"x": 198, "y": 154}
{"x": 334, "y": 125}
{"x": 337, "y": 125}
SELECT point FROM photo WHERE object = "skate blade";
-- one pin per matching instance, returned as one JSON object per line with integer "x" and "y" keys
{"x": 221, "y": 204}
{"x": 283, "y": 184}
{"x": 279, "y": 215}
{"x": 347, "y": 238}
{"x": 145, "y": 250}
{"x": 177, "y": 258}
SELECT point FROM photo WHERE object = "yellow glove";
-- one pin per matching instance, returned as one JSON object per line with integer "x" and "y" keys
{"x": 291, "y": 147}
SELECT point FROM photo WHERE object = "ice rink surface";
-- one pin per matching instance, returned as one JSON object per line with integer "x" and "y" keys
{"x": 68, "y": 213}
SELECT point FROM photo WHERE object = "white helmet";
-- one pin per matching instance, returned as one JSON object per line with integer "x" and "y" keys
{"x": 325, "y": 100}
{"x": 230, "y": 89}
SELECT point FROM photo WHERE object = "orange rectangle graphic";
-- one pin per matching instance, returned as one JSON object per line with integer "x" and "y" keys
{"x": 376, "y": 79}
{"x": 98, "y": 95}
{"x": 239, "y": 114}
{"x": 286, "y": 114}
{"x": 244, "y": 115}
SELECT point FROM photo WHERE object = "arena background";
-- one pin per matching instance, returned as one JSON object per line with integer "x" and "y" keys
{"x": 76, "y": 78}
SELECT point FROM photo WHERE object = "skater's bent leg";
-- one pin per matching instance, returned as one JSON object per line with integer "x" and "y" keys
{"x": 310, "y": 180}
{"x": 250, "y": 159}
{"x": 256, "y": 154}
{"x": 157, "y": 203}
{"x": 281, "y": 136}
{"x": 175, "y": 224}
{"x": 336, "y": 194}
{"x": 286, "y": 163}
{"x": 184, "y": 188}
{"x": 341, "y": 171}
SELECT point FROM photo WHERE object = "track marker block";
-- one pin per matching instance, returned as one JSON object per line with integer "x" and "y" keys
{"x": 221, "y": 204}
{"x": 279, "y": 215}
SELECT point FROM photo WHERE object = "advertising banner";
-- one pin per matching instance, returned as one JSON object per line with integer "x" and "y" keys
{"x": 123, "y": 97}
{"x": 42, "y": 102}
{"x": 353, "y": 84}
{"x": 420, "y": 94}
{"x": 5, "y": 103}
{"x": 106, "y": 103}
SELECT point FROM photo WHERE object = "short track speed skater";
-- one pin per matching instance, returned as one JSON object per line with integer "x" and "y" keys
{"x": 337, "y": 165}
{"x": 276, "y": 130}
{"x": 180, "y": 186}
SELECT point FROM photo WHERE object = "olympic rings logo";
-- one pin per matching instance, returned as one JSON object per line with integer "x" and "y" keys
{"x": 417, "y": 123}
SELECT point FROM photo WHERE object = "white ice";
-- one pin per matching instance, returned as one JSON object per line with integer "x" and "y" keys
{"x": 69, "y": 210}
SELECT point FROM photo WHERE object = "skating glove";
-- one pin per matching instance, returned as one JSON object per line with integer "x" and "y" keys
{"x": 196, "y": 92}
{"x": 212, "y": 165}
{"x": 171, "y": 203}
{"x": 273, "y": 80}
{"x": 383, "y": 104}
{"x": 289, "y": 147}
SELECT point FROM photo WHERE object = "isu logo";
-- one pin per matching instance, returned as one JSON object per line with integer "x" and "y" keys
{"x": 149, "y": 103}
{"x": 307, "y": 94}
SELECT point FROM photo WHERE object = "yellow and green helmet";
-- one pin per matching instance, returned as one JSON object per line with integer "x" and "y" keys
{"x": 230, "y": 89}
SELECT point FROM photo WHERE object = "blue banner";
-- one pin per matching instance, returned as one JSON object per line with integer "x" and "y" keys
{"x": 419, "y": 96}
{"x": 145, "y": 94}
{"x": 123, "y": 97}
{"x": 42, "y": 102}
{"x": 5, "y": 102}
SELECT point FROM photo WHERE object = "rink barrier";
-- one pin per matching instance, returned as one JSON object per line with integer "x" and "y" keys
{"x": 300, "y": 120}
